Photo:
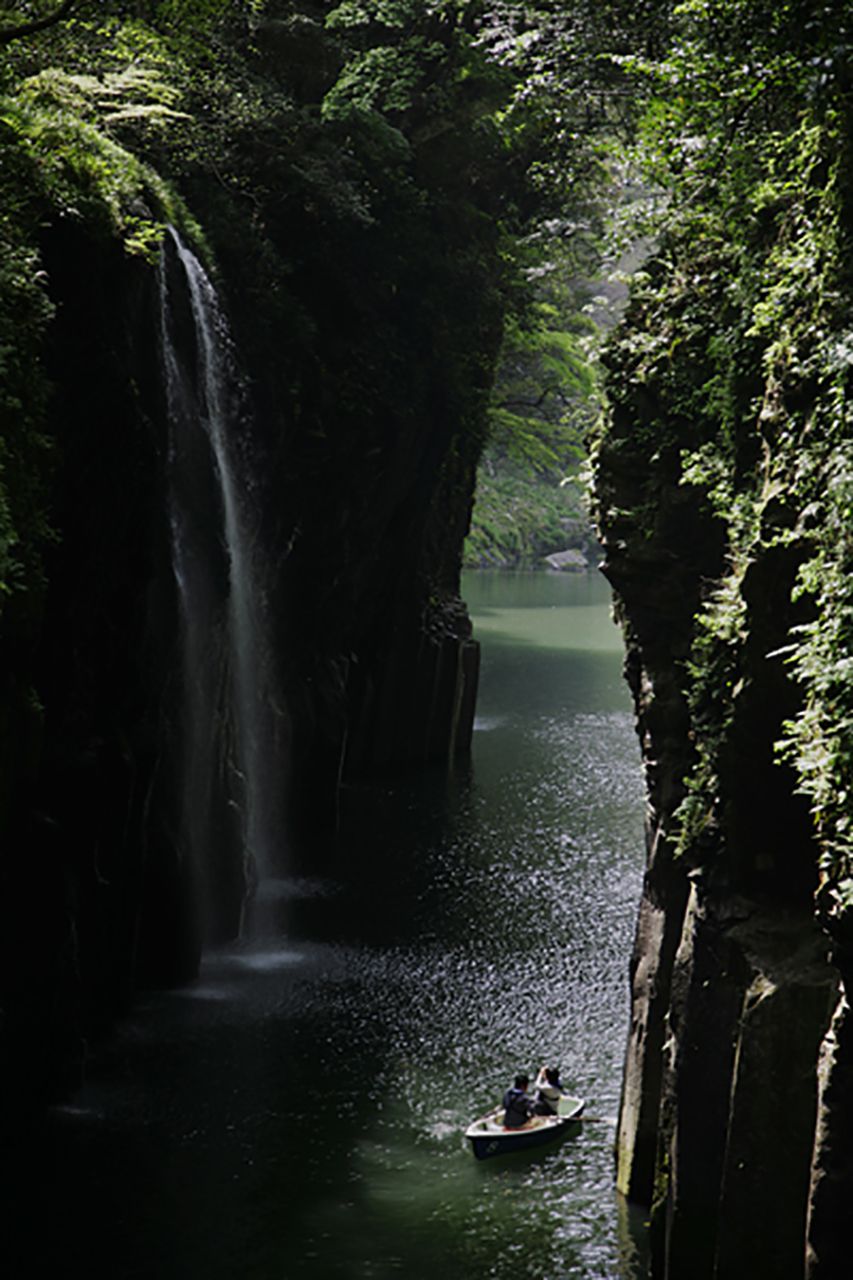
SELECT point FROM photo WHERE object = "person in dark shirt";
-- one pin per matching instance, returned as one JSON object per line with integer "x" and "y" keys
{"x": 517, "y": 1103}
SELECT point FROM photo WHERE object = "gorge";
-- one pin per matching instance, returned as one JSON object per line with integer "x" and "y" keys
{"x": 258, "y": 264}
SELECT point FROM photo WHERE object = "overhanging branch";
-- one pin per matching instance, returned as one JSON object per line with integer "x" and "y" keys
{"x": 8, "y": 34}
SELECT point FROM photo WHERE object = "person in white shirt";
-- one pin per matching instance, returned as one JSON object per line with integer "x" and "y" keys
{"x": 549, "y": 1091}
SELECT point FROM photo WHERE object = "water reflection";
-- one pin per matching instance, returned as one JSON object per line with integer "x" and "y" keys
{"x": 298, "y": 1113}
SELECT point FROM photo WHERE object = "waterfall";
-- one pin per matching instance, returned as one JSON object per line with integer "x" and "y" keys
{"x": 231, "y": 723}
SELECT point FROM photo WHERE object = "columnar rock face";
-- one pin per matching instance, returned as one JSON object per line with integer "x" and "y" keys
{"x": 751, "y": 996}
{"x": 732, "y": 994}
{"x": 828, "y": 1253}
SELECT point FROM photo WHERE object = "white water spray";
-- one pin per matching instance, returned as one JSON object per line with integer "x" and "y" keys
{"x": 232, "y": 721}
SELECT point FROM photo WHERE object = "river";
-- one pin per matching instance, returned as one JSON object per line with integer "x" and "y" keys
{"x": 297, "y": 1113}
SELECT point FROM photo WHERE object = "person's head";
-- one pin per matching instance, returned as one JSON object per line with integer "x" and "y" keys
{"x": 522, "y": 1080}
{"x": 552, "y": 1075}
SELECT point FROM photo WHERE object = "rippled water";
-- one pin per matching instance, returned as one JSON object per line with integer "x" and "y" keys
{"x": 298, "y": 1112}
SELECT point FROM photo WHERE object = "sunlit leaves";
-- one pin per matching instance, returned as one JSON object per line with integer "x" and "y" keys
{"x": 354, "y": 15}
{"x": 542, "y": 402}
{"x": 517, "y": 520}
{"x": 55, "y": 118}
{"x": 388, "y": 78}
{"x": 733, "y": 376}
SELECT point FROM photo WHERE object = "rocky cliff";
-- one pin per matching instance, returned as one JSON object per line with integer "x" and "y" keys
{"x": 722, "y": 497}
{"x": 350, "y": 286}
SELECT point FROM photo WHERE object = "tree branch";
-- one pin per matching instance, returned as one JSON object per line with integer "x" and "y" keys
{"x": 8, "y": 34}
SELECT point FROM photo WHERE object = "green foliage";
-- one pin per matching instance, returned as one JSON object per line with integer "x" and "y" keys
{"x": 79, "y": 167}
{"x": 367, "y": 14}
{"x": 59, "y": 158}
{"x": 413, "y": 179}
{"x": 24, "y": 318}
{"x": 734, "y": 366}
{"x": 543, "y": 399}
{"x": 103, "y": 115}
{"x": 519, "y": 519}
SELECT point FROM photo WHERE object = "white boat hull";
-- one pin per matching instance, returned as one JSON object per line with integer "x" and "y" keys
{"x": 490, "y": 1137}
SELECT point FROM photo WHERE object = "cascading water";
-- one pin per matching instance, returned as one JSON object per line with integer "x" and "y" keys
{"x": 233, "y": 727}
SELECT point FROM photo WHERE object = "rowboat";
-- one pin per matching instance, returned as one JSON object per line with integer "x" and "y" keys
{"x": 489, "y": 1136}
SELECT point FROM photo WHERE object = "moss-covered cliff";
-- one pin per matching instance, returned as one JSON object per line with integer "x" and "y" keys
{"x": 723, "y": 498}
{"x": 336, "y": 174}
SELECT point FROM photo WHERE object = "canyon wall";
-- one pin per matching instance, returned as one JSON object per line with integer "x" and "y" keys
{"x": 348, "y": 278}
{"x": 722, "y": 492}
